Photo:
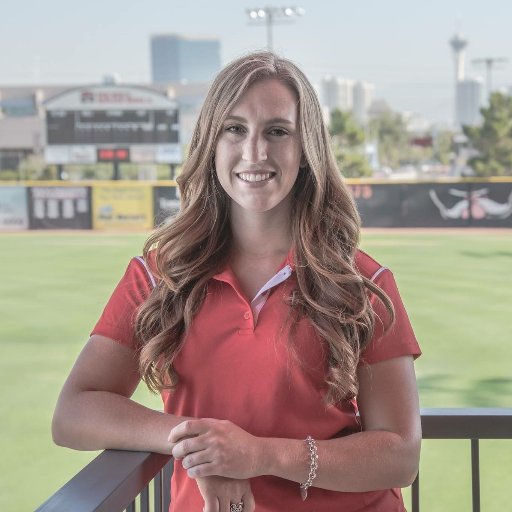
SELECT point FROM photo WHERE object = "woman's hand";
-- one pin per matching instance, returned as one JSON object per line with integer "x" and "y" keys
{"x": 219, "y": 492}
{"x": 216, "y": 447}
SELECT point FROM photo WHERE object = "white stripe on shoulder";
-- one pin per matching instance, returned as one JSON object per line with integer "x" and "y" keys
{"x": 378, "y": 273}
{"x": 148, "y": 272}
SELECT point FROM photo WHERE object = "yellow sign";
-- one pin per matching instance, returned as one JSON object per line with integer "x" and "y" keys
{"x": 122, "y": 206}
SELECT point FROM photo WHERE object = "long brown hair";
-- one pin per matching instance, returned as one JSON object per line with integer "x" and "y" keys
{"x": 192, "y": 246}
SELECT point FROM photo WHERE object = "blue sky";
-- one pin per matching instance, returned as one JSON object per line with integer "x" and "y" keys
{"x": 400, "y": 46}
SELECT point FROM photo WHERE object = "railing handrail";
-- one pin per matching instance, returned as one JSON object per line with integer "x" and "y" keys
{"x": 116, "y": 477}
{"x": 469, "y": 423}
{"x": 109, "y": 482}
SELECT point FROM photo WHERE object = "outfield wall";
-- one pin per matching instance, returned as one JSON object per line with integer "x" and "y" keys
{"x": 139, "y": 205}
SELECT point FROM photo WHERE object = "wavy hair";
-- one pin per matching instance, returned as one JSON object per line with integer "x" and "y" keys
{"x": 188, "y": 250}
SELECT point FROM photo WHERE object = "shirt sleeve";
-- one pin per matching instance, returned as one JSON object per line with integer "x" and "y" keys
{"x": 399, "y": 339}
{"x": 117, "y": 321}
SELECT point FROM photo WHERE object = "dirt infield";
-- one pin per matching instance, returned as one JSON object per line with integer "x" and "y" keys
{"x": 438, "y": 231}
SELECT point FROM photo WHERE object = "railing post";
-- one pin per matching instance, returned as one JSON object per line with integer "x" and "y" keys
{"x": 166, "y": 475}
{"x": 144, "y": 499}
{"x": 415, "y": 494}
{"x": 157, "y": 487}
{"x": 475, "y": 474}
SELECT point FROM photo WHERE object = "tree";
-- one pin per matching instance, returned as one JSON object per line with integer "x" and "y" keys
{"x": 345, "y": 130}
{"x": 493, "y": 139}
{"x": 444, "y": 148}
{"x": 348, "y": 140}
{"x": 390, "y": 131}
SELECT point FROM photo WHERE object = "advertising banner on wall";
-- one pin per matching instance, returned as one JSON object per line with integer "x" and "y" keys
{"x": 490, "y": 204}
{"x": 165, "y": 203}
{"x": 378, "y": 205}
{"x": 436, "y": 205}
{"x": 59, "y": 207}
{"x": 122, "y": 207}
{"x": 13, "y": 208}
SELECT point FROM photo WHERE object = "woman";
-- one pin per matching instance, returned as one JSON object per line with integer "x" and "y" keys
{"x": 260, "y": 321}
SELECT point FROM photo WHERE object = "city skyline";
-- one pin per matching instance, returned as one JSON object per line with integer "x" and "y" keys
{"x": 401, "y": 48}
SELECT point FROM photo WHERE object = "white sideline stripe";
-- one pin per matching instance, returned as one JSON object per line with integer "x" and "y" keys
{"x": 148, "y": 272}
{"x": 381, "y": 269}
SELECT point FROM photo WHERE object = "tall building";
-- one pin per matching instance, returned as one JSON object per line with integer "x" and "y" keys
{"x": 346, "y": 93}
{"x": 336, "y": 92}
{"x": 363, "y": 97}
{"x": 470, "y": 97}
{"x": 329, "y": 93}
{"x": 184, "y": 60}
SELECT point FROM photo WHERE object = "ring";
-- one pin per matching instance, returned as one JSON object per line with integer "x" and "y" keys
{"x": 236, "y": 507}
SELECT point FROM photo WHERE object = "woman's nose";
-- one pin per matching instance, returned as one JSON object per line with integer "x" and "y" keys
{"x": 255, "y": 149}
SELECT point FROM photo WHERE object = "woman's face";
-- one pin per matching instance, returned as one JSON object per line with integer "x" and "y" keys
{"x": 258, "y": 152}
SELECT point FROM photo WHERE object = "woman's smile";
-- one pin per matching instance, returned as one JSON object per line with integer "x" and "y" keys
{"x": 253, "y": 177}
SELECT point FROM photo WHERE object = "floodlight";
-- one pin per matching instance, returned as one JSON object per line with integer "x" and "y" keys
{"x": 271, "y": 15}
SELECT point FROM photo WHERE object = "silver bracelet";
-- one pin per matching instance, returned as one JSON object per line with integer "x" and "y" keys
{"x": 313, "y": 466}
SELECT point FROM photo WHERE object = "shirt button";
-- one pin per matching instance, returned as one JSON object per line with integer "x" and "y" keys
{"x": 247, "y": 315}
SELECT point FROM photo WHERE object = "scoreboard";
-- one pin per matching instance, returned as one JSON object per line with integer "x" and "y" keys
{"x": 112, "y": 123}
{"x": 112, "y": 127}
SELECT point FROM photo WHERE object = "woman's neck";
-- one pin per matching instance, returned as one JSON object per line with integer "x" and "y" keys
{"x": 264, "y": 234}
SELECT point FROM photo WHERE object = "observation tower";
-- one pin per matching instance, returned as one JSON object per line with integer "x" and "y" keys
{"x": 458, "y": 44}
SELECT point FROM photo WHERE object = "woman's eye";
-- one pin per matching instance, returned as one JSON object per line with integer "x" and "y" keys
{"x": 235, "y": 129}
{"x": 279, "y": 132}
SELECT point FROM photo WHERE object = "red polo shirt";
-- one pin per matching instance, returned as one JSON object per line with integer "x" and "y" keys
{"x": 237, "y": 364}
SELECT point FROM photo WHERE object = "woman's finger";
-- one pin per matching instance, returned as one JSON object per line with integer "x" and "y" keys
{"x": 201, "y": 471}
{"x": 249, "y": 503}
{"x": 189, "y": 428}
{"x": 211, "y": 504}
{"x": 188, "y": 446}
{"x": 196, "y": 459}
{"x": 225, "y": 504}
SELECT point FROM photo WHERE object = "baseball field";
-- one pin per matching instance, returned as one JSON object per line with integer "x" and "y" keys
{"x": 457, "y": 286}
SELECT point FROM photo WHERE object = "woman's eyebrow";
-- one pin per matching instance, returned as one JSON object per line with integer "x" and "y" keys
{"x": 278, "y": 120}
{"x": 236, "y": 118}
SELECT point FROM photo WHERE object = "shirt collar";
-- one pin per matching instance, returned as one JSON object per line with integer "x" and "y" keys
{"x": 226, "y": 274}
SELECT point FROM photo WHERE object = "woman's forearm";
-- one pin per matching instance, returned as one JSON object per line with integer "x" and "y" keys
{"x": 360, "y": 462}
{"x": 96, "y": 420}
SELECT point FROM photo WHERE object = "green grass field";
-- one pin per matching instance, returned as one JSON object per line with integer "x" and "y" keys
{"x": 457, "y": 287}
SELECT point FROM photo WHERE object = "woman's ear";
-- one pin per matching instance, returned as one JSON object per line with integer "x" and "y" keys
{"x": 303, "y": 161}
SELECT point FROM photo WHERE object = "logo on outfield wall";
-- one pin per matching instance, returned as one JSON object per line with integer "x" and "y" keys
{"x": 122, "y": 207}
{"x": 13, "y": 208}
{"x": 473, "y": 204}
{"x": 59, "y": 208}
{"x": 361, "y": 191}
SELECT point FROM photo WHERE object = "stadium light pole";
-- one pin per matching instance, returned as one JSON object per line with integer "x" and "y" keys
{"x": 270, "y": 15}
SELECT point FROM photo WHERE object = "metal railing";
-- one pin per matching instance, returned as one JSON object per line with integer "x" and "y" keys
{"x": 119, "y": 480}
{"x": 471, "y": 424}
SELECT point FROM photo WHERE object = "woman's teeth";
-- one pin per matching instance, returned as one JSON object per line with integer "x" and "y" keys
{"x": 245, "y": 176}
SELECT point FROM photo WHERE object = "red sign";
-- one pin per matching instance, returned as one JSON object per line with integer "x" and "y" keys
{"x": 425, "y": 142}
{"x": 114, "y": 155}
